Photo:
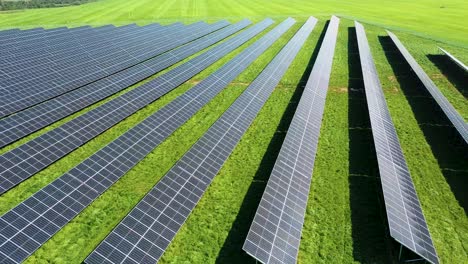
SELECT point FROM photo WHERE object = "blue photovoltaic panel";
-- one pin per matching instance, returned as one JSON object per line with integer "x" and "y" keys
{"x": 455, "y": 118}
{"x": 68, "y": 47}
{"x": 144, "y": 234}
{"x": 405, "y": 216}
{"x": 56, "y": 204}
{"x": 275, "y": 233}
{"x": 31, "y": 157}
{"x": 44, "y": 44}
{"x": 41, "y": 91}
{"x": 32, "y": 119}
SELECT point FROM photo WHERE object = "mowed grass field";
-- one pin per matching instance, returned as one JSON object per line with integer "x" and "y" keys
{"x": 345, "y": 220}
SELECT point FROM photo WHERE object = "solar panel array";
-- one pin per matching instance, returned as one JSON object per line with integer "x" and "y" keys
{"x": 452, "y": 114}
{"x": 405, "y": 217}
{"x": 23, "y": 64}
{"x": 32, "y": 119}
{"x": 25, "y": 93}
{"x": 56, "y": 204}
{"x": 144, "y": 234}
{"x": 454, "y": 59}
{"x": 31, "y": 157}
{"x": 275, "y": 233}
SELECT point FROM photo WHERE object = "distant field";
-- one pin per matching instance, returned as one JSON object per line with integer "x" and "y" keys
{"x": 345, "y": 221}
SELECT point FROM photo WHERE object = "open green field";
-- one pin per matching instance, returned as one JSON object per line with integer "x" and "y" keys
{"x": 345, "y": 220}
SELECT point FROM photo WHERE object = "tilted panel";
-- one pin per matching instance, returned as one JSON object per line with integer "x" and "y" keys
{"x": 56, "y": 204}
{"x": 144, "y": 234}
{"x": 32, "y": 119}
{"x": 405, "y": 217}
{"x": 31, "y": 157}
{"x": 275, "y": 233}
{"x": 455, "y": 118}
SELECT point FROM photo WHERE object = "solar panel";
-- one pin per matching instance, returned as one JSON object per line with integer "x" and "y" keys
{"x": 45, "y": 44}
{"x": 452, "y": 114}
{"x": 275, "y": 233}
{"x": 22, "y": 32}
{"x": 457, "y": 61}
{"x": 14, "y": 46}
{"x": 54, "y": 50}
{"x": 32, "y": 119}
{"x": 41, "y": 91}
{"x": 58, "y": 60}
{"x": 74, "y": 54}
{"x": 405, "y": 217}
{"x": 79, "y": 46}
{"x": 17, "y": 46}
{"x": 145, "y": 233}
{"x": 31, "y": 157}
{"x": 69, "y": 194}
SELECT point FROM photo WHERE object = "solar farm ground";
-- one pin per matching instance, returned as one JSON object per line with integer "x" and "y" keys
{"x": 345, "y": 217}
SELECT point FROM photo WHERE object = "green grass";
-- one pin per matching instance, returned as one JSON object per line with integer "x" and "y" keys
{"x": 345, "y": 221}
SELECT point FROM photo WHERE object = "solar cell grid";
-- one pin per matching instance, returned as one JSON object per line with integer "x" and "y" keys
{"x": 50, "y": 34}
{"x": 39, "y": 116}
{"x": 60, "y": 66}
{"x": 76, "y": 54}
{"x": 455, "y": 118}
{"x": 83, "y": 128}
{"x": 23, "y": 32}
{"x": 275, "y": 233}
{"x": 22, "y": 52}
{"x": 24, "y": 45}
{"x": 72, "y": 192}
{"x": 38, "y": 93}
{"x": 404, "y": 213}
{"x": 39, "y": 33}
{"x": 144, "y": 234}
{"x": 16, "y": 53}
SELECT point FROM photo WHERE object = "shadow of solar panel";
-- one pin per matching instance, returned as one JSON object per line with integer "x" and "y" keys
{"x": 52, "y": 51}
{"x": 76, "y": 132}
{"x": 275, "y": 233}
{"x": 454, "y": 59}
{"x": 46, "y": 87}
{"x": 405, "y": 217}
{"x": 455, "y": 118}
{"x": 144, "y": 234}
{"x": 32, "y": 119}
{"x": 56, "y": 204}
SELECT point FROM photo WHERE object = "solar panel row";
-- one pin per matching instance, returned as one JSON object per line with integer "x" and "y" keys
{"x": 56, "y": 204}
{"x": 405, "y": 217}
{"x": 275, "y": 233}
{"x": 455, "y": 118}
{"x": 65, "y": 60}
{"x": 75, "y": 55}
{"x": 32, "y": 119}
{"x": 62, "y": 50}
{"x": 22, "y": 162}
{"x": 14, "y": 46}
{"x": 80, "y": 76}
{"x": 25, "y": 51}
{"x": 45, "y": 41}
{"x": 454, "y": 59}
{"x": 62, "y": 65}
{"x": 21, "y": 33}
{"x": 33, "y": 33}
{"x": 145, "y": 233}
